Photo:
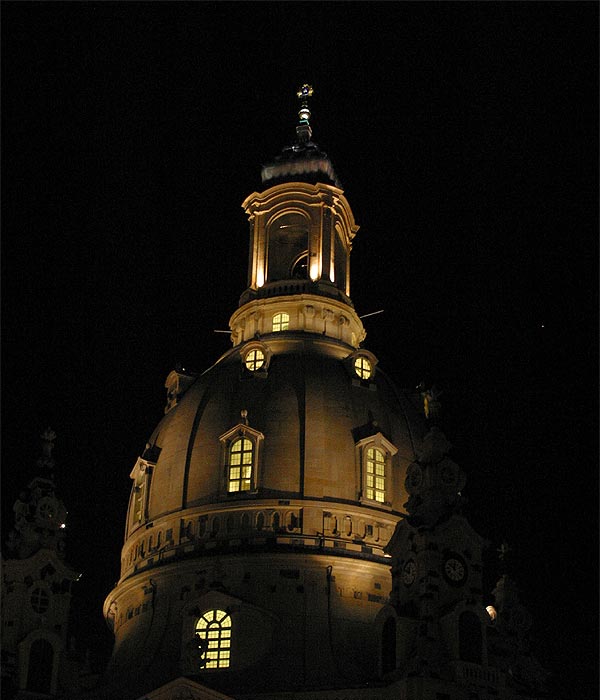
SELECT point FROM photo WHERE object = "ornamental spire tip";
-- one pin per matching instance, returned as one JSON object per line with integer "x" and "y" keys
{"x": 303, "y": 129}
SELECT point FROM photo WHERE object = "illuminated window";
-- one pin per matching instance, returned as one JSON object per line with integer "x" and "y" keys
{"x": 214, "y": 629}
{"x": 375, "y": 475}
{"x": 40, "y": 600}
{"x": 241, "y": 463}
{"x": 362, "y": 367}
{"x": 254, "y": 360}
{"x": 281, "y": 322}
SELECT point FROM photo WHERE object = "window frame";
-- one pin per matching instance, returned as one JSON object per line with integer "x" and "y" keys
{"x": 254, "y": 360}
{"x": 388, "y": 450}
{"x": 248, "y": 349}
{"x": 204, "y": 632}
{"x": 43, "y": 593}
{"x": 228, "y": 440}
{"x": 282, "y": 318}
{"x": 240, "y": 472}
{"x": 363, "y": 367}
{"x": 351, "y": 361}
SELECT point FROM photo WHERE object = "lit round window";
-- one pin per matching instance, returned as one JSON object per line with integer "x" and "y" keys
{"x": 362, "y": 367}
{"x": 40, "y": 600}
{"x": 254, "y": 360}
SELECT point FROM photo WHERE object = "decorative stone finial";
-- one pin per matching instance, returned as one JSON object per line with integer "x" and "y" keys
{"x": 503, "y": 551}
{"x": 303, "y": 129}
{"x": 244, "y": 415}
{"x": 48, "y": 437}
{"x": 431, "y": 401}
{"x": 46, "y": 462}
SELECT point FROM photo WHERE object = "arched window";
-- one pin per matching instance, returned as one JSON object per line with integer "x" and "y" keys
{"x": 214, "y": 629}
{"x": 375, "y": 475}
{"x": 288, "y": 239}
{"x": 469, "y": 637}
{"x": 39, "y": 671}
{"x": 281, "y": 322}
{"x": 241, "y": 463}
{"x": 388, "y": 645}
{"x": 300, "y": 268}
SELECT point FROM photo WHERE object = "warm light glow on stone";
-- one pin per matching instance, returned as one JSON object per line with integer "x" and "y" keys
{"x": 491, "y": 611}
{"x": 260, "y": 277}
{"x": 314, "y": 271}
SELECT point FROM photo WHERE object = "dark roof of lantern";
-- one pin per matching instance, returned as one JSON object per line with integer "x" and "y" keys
{"x": 303, "y": 161}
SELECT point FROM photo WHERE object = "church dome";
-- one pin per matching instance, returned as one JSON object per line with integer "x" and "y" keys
{"x": 264, "y": 499}
{"x": 310, "y": 420}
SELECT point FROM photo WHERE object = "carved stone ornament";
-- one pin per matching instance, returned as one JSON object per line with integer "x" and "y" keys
{"x": 195, "y": 649}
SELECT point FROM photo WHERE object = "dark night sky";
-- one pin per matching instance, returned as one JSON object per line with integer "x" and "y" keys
{"x": 465, "y": 136}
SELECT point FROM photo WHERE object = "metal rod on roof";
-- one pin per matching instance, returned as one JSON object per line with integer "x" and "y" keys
{"x": 373, "y": 313}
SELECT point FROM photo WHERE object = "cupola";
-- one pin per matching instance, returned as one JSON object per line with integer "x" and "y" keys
{"x": 301, "y": 233}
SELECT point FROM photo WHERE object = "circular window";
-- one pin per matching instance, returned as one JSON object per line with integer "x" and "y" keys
{"x": 40, "y": 600}
{"x": 362, "y": 367}
{"x": 254, "y": 360}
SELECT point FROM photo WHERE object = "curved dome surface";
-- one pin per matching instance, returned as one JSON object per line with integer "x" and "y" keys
{"x": 307, "y": 405}
{"x": 313, "y": 419}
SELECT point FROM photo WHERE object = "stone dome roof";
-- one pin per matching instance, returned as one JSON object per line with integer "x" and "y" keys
{"x": 308, "y": 404}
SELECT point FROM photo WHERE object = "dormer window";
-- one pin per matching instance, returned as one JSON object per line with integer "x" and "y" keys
{"x": 141, "y": 475}
{"x": 281, "y": 322}
{"x": 375, "y": 454}
{"x": 363, "y": 367}
{"x": 255, "y": 357}
{"x": 254, "y": 360}
{"x": 241, "y": 453}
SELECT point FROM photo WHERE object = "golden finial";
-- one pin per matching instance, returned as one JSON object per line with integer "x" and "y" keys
{"x": 303, "y": 94}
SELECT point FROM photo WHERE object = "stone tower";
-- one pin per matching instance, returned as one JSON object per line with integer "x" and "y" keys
{"x": 254, "y": 556}
{"x": 443, "y": 642}
{"x": 36, "y": 591}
